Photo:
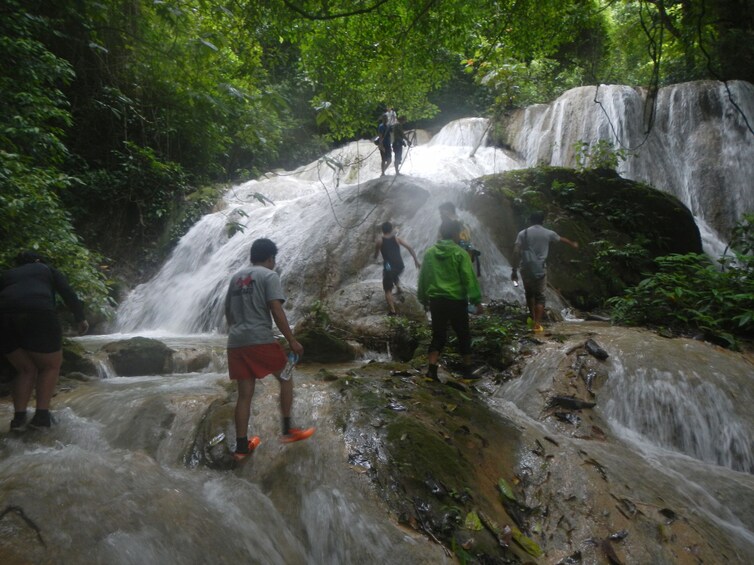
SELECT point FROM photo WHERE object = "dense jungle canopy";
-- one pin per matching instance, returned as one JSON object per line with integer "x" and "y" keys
{"x": 116, "y": 113}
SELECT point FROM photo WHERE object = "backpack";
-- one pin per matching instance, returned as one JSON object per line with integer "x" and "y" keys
{"x": 531, "y": 264}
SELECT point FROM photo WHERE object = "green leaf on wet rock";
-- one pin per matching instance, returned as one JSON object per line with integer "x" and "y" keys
{"x": 505, "y": 489}
{"x": 529, "y": 545}
{"x": 472, "y": 522}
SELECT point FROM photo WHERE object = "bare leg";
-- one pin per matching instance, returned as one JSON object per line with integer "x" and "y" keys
{"x": 539, "y": 313}
{"x": 23, "y": 384}
{"x": 48, "y": 367}
{"x": 243, "y": 406}
{"x": 433, "y": 357}
{"x": 286, "y": 396}
{"x": 390, "y": 300}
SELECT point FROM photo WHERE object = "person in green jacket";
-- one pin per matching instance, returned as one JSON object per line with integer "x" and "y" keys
{"x": 447, "y": 286}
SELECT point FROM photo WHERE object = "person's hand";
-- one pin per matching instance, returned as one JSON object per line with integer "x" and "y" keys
{"x": 83, "y": 327}
{"x": 297, "y": 348}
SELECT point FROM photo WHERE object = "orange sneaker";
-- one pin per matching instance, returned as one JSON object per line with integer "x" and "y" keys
{"x": 297, "y": 434}
{"x": 538, "y": 329}
{"x": 253, "y": 444}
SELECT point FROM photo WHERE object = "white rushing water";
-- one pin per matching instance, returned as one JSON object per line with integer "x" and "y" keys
{"x": 698, "y": 149}
{"x": 680, "y": 410}
{"x": 699, "y": 146}
{"x": 318, "y": 212}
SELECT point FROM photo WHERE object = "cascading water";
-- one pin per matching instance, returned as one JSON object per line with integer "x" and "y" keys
{"x": 315, "y": 222}
{"x": 680, "y": 412}
{"x": 699, "y": 146}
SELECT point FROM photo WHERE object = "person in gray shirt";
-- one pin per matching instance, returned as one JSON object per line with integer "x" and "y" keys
{"x": 254, "y": 299}
{"x": 530, "y": 252}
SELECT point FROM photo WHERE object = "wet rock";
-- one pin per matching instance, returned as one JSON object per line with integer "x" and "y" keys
{"x": 140, "y": 356}
{"x": 76, "y": 360}
{"x": 594, "y": 349}
{"x": 321, "y": 346}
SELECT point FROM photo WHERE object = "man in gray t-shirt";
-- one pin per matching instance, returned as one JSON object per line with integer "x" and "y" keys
{"x": 530, "y": 252}
{"x": 254, "y": 299}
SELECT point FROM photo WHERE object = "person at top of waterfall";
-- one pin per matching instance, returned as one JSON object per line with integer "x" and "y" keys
{"x": 383, "y": 142}
{"x": 530, "y": 253}
{"x": 399, "y": 142}
{"x": 31, "y": 336}
{"x": 254, "y": 299}
{"x": 392, "y": 262}
{"x": 448, "y": 287}
{"x": 392, "y": 119}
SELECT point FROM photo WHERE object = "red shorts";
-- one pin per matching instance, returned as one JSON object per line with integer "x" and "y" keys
{"x": 255, "y": 361}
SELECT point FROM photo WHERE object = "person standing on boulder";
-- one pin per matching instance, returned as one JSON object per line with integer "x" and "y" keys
{"x": 254, "y": 299}
{"x": 447, "y": 286}
{"x": 530, "y": 252}
{"x": 383, "y": 143}
{"x": 392, "y": 262}
{"x": 30, "y": 333}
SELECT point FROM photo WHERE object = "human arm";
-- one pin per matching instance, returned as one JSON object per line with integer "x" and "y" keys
{"x": 281, "y": 321}
{"x": 574, "y": 244}
{"x": 228, "y": 315}
{"x": 71, "y": 299}
{"x": 516, "y": 261}
{"x": 377, "y": 247}
{"x": 410, "y": 250}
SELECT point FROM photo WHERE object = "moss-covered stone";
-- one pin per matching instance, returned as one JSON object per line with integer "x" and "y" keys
{"x": 436, "y": 454}
{"x": 620, "y": 225}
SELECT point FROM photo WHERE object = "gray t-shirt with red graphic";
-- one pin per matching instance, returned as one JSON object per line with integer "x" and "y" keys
{"x": 247, "y": 306}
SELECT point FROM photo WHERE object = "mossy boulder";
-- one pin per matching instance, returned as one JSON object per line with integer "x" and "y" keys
{"x": 321, "y": 346}
{"x": 620, "y": 225}
{"x": 436, "y": 454}
{"x": 76, "y": 360}
{"x": 140, "y": 356}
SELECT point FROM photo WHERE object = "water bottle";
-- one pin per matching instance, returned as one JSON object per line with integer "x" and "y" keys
{"x": 387, "y": 266}
{"x": 288, "y": 370}
{"x": 471, "y": 308}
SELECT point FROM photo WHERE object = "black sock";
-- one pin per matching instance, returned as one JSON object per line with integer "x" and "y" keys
{"x": 286, "y": 425}
{"x": 432, "y": 371}
{"x": 242, "y": 444}
{"x": 20, "y": 416}
{"x": 41, "y": 418}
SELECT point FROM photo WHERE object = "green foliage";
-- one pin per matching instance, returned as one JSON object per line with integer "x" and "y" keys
{"x": 599, "y": 155}
{"x": 33, "y": 114}
{"x": 689, "y": 293}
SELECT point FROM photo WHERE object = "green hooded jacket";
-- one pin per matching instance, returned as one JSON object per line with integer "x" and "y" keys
{"x": 447, "y": 272}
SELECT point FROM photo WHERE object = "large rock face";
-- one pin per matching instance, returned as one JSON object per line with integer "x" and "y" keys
{"x": 619, "y": 224}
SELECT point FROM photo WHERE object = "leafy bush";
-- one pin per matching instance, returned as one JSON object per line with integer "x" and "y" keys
{"x": 689, "y": 293}
{"x": 32, "y": 118}
{"x": 600, "y": 155}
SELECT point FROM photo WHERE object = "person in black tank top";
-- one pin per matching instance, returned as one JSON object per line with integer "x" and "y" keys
{"x": 392, "y": 262}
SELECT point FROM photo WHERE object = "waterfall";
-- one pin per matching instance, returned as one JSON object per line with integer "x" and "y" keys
{"x": 320, "y": 216}
{"x": 700, "y": 146}
{"x": 698, "y": 149}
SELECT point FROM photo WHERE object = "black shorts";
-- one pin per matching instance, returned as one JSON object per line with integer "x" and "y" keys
{"x": 38, "y": 331}
{"x": 390, "y": 279}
